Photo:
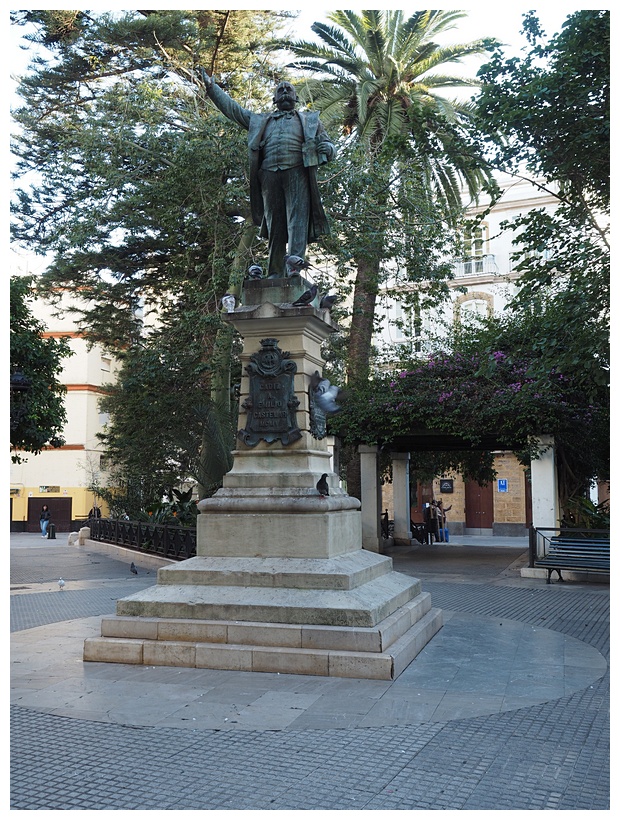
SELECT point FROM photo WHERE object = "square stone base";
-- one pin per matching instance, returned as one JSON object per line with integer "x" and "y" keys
{"x": 380, "y": 653}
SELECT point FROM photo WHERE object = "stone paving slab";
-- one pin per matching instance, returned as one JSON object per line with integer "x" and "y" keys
{"x": 340, "y": 744}
{"x": 474, "y": 666}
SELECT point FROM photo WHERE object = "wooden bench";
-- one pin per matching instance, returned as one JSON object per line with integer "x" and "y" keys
{"x": 580, "y": 554}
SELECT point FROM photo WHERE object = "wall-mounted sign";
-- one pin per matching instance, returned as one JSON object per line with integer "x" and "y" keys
{"x": 502, "y": 485}
{"x": 446, "y": 485}
{"x": 49, "y": 489}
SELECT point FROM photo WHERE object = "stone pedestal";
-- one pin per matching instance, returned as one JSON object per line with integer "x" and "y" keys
{"x": 280, "y": 582}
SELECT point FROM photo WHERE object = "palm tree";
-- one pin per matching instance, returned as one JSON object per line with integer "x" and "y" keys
{"x": 375, "y": 78}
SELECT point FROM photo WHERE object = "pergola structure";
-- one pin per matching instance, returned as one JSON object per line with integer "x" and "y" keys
{"x": 545, "y": 504}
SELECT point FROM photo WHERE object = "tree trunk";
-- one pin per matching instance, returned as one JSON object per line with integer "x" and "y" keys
{"x": 360, "y": 345}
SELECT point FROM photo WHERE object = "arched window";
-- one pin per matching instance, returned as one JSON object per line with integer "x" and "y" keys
{"x": 475, "y": 307}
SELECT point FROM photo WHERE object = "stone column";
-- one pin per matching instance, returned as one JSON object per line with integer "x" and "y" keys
{"x": 371, "y": 498}
{"x": 269, "y": 504}
{"x": 545, "y": 503}
{"x": 402, "y": 511}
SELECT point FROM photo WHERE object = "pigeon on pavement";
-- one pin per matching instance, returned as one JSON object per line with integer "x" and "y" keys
{"x": 306, "y": 297}
{"x": 61, "y": 584}
{"x": 322, "y": 485}
{"x": 133, "y": 568}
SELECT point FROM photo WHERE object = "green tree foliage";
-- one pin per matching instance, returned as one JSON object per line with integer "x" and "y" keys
{"x": 377, "y": 78}
{"x": 138, "y": 191}
{"x": 549, "y": 110}
{"x": 547, "y": 114}
{"x": 475, "y": 394}
{"x": 376, "y": 75}
{"x": 162, "y": 427}
{"x": 38, "y": 412}
{"x": 383, "y": 212}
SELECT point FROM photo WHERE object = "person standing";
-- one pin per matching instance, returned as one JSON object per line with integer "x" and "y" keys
{"x": 443, "y": 522}
{"x": 44, "y": 520}
{"x": 432, "y": 520}
{"x": 286, "y": 147}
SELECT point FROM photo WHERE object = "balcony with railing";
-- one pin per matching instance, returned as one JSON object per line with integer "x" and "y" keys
{"x": 476, "y": 266}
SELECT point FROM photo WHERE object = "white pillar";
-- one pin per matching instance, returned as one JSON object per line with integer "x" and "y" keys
{"x": 371, "y": 498}
{"x": 402, "y": 510}
{"x": 545, "y": 502}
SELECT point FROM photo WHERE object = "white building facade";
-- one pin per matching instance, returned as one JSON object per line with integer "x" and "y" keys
{"x": 484, "y": 282}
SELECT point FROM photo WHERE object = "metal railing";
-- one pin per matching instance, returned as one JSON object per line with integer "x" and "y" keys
{"x": 176, "y": 543}
{"x": 540, "y": 538}
{"x": 475, "y": 266}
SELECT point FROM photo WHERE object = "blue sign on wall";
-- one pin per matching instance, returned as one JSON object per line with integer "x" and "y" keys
{"x": 502, "y": 485}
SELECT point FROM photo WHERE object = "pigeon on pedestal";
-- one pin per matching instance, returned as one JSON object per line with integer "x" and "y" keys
{"x": 229, "y": 302}
{"x": 328, "y": 301}
{"x": 322, "y": 485}
{"x": 306, "y": 297}
{"x": 295, "y": 264}
{"x": 325, "y": 393}
{"x": 255, "y": 272}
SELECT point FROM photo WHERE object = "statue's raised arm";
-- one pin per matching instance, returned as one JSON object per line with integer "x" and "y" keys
{"x": 225, "y": 103}
{"x": 286, "y": 146}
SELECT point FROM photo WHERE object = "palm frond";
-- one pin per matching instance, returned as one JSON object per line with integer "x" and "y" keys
{"x": 335, "y": 39}
{"x": 449, "y": 81}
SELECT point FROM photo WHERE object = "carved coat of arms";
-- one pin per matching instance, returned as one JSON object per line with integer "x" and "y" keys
{"x": 271, "y": 405}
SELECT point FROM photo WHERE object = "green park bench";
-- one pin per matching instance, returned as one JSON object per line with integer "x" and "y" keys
{"x": 578, "y": 554}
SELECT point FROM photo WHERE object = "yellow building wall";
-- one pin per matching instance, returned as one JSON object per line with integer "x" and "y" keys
{"x": 81, "y": 501}
{"x": 75, "y": 466}
{"x": 455, "y": 517}
{"x": 509, "y": 508}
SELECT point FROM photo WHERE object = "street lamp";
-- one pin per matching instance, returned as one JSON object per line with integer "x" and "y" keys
{"x": 20, "y": 387}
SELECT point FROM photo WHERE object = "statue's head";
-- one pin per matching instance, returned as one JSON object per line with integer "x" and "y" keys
{"x": 285, "y": 97}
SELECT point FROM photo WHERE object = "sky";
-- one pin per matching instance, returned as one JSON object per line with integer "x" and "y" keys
{"x": 501, "y": 20}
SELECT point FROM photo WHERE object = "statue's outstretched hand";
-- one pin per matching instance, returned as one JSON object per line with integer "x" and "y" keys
{"x": 208, "y": 81}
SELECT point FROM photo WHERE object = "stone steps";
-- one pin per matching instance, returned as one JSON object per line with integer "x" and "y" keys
{"x": 341, "y": 572}
{"x": 303, "y": 636}
{"x": 324, "y": 652}
{"x": 364, "y": 606}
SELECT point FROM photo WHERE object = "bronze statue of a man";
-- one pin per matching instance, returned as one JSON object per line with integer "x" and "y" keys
{"x": 286, "y": 147}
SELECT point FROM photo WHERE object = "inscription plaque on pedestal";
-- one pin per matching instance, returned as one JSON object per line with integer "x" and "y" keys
{"x": 271, "y": 406}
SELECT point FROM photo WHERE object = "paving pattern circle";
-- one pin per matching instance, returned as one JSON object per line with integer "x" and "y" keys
{"x": 475, "y": 665}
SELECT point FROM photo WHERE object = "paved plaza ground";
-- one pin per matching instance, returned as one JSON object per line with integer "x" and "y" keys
{"x": 506, "y": 708}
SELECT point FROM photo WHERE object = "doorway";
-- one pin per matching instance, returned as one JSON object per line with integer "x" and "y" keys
{"x": 60, "y": 509}
{"x": 478, "y": 508}
{"x": 420, "y": 494}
